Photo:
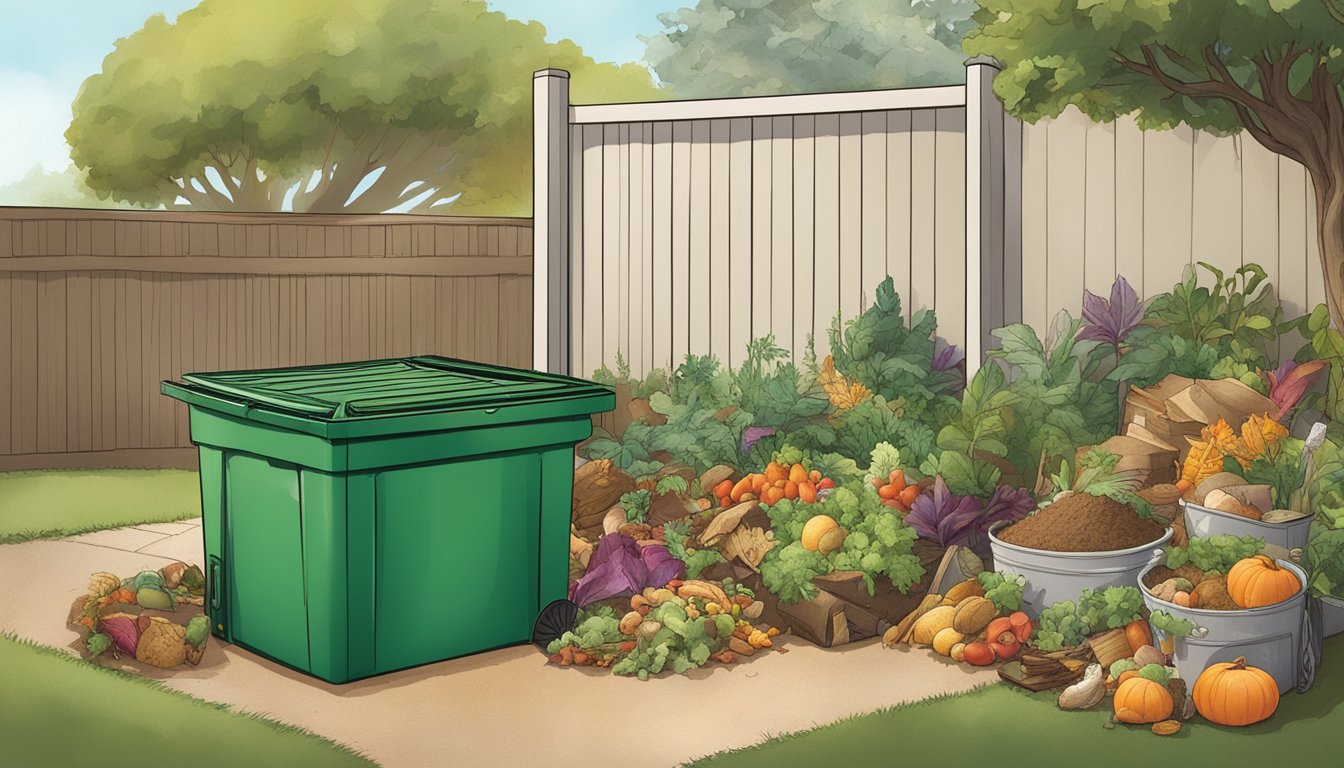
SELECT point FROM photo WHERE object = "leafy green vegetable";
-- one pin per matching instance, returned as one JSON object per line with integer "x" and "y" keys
{"x": 1067, "y": 623}
{"x": 1170, "y": 625}
{"x": 1122, "y": 666}
{"x": 1214, "y": 554}
{"x": 1281, "y": 468}
{"x": 1003, "y": 589}
{"x": 1097, "y": 476}
{"x": 636, "y": 505}
{"x": 672, "y": 484}
{"x": 676, "y": 533}
{"x": 884, "y": 459}
{"x": 1155, "y": 672}
{"x": 788, "y": 571}
{"x": 1324, "y": 492}
{"x": 879, "y": 543}
{"x": 596, "y": 628}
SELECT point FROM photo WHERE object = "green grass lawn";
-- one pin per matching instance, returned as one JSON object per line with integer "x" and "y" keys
{"x": 1005, "y": 725}
{"x": 50, "y": 504}
{"x": 59, "y": 710}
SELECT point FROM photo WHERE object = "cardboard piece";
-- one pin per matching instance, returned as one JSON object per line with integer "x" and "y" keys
{"x": 1177, "y": 408}
{"x": 1156, "y": 463}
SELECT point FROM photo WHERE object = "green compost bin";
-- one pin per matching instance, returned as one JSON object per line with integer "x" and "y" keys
{"x": 366, "y": 517}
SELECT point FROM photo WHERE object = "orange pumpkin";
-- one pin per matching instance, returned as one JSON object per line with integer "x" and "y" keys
{"x": 1259, "y": 581}
{"x": 1235, "y": 694}
{"x": 1140, "y": 700}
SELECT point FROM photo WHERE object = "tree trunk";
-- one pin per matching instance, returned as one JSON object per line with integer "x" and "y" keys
{"x": 1330, "y": 242}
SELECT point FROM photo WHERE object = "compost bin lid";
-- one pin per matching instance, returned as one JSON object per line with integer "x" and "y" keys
{"x": 386, "y": 388}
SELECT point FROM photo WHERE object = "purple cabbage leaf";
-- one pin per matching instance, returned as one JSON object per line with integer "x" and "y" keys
{"x": 616, "y": 568}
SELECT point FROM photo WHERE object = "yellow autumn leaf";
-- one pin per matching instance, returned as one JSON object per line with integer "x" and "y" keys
{"x": 1258, "y": 435}
{"x": 1204, "y": 460}
{"x": 1220, "y": 436}
{"x": 842, "y": 392}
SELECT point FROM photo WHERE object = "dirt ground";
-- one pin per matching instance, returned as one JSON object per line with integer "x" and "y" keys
{"x": 502, "y": 708}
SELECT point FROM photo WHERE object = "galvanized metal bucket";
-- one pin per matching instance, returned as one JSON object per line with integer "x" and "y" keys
{"x": 1055, "y": 576}
{"x": 1276, "y": 638}
{"x": 1281, "y": 539}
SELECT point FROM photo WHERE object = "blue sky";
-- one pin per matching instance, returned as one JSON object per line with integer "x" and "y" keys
{"x": 48, "y": 47}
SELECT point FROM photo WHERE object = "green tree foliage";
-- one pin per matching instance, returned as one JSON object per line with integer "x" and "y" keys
{"x": 435, "y": 93}
{"x": 1271, "y": 67}
{"x": 51, "y": 189}
{"x": 753, "y": 48}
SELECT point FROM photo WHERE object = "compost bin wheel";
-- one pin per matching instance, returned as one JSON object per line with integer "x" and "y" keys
{"x": 554, "y": 620}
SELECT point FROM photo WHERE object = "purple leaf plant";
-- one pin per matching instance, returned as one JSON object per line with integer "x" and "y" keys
{"x": 950, "y": 519}
{"x": 1111, "y": 322}
{"x": 1291, "y": 381}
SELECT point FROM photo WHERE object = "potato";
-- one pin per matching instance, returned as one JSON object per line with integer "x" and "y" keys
{"x": 931, "y": 623}
{"x": 945, "y": 639}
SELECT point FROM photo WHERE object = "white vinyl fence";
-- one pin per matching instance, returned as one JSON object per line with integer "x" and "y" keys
{"x": 693, "y": 226}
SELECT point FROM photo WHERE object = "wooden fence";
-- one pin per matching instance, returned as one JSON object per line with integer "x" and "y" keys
{"x": 97, "y": 307}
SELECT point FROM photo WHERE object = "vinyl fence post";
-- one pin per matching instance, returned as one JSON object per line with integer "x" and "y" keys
{"x": 550, "y": 221}
{"x": 993, "y": 213}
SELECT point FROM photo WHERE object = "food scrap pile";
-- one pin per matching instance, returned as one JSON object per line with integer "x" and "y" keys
{"x": 140, "y": 617}
{"x": 681, "y": 626}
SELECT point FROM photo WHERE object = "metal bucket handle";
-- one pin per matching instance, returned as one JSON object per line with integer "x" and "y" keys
{"x": 1199, "y": 632}
{"x": 1158, "y": 557}
{"x": 1306, "y": 674}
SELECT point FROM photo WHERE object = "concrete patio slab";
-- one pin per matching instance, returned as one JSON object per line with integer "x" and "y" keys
{"x": 170, "y": 529}
{"x": 505, "y": 707}
{"x": 123, "y": 539}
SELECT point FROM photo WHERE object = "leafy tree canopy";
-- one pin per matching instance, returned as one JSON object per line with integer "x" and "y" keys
{"x": 1112, "y": 57}
{"x": 238, "y": 102}
{"x": 761, "y": 47}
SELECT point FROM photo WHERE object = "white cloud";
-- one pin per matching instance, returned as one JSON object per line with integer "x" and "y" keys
{"x": 37, "y": 112}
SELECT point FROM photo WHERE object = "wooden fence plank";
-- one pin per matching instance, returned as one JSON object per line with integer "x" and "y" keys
{"x": 613, "y": 266}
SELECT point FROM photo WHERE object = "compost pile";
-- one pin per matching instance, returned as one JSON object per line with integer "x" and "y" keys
{"x": 154, "y": 617}
{"x": 1081, "y": 522}
{"x": 1197, "y": 574}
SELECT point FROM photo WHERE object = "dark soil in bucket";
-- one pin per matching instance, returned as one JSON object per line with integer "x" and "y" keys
{"x": 1081, "y": 522}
